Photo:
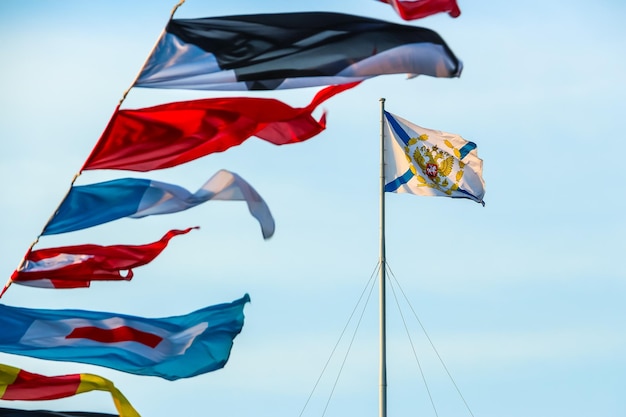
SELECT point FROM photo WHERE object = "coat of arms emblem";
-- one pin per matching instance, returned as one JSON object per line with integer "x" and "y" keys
{"x": 434, "y": 167}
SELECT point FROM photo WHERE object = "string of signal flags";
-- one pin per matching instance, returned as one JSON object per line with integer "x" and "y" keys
{"x": 305, "y": 49}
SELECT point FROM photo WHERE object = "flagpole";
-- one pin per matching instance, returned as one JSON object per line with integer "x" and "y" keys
{"x": 382, "y": 262}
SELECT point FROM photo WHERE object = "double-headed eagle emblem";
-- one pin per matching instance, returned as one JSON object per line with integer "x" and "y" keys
{"x": 434, "y": 167}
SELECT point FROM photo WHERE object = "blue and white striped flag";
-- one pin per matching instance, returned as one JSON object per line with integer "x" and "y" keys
{"x": 430, "y": 162}
{"x": 91, "y": 205}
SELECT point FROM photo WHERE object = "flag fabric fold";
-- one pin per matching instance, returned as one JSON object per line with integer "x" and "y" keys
{"x": 76, "y": 266}
{"x": 170, "y": 348}
{"x": 91, "y": 205}
{"x": 290, "y": 50}
{"x": 18, "y": 384}
{"x": 171, "y": 134}
{"x": 14, "y": 412}
{"x": 430, "y": 162}
{"x": 417, "y": 9}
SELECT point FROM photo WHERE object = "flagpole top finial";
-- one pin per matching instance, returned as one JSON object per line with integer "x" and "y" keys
{"x": 382, "y": 99}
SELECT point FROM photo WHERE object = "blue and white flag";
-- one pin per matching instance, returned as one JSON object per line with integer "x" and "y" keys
{"x": 90, "y": 205}
{"x": 430, "y": 162}
{"x": 170, "y": 348}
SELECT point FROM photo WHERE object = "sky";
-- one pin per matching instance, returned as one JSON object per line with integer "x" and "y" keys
{"x": 523, "y": 299}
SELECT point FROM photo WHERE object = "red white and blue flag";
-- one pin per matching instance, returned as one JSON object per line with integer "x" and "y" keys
{"x": 76, "y": 266}
{"x": 170, "y": 348}
{"x": 91, "y": 205}
{"x": 291, "y": 50}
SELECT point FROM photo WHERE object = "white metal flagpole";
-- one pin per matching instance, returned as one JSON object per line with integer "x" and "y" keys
{"x": 382, "y": 263}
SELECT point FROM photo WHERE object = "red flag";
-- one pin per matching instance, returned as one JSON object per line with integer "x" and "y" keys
{"x": 171, "y": 134}
{"x": 18, "y": 384}
{"x": 416, "y": 9}
{"x": 77, "y": 266}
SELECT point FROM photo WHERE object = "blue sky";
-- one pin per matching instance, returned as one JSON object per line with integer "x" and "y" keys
{"x": 522, "y": 298}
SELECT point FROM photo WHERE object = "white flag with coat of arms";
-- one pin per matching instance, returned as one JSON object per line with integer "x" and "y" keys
{"x": 430, "y": 162}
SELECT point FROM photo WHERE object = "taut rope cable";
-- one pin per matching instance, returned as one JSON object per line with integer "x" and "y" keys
{"x": 419, "y": 365}
{"x": 349, "y": 346}
{"x": 432, "y": 344}
{"x": 370, "y": 283}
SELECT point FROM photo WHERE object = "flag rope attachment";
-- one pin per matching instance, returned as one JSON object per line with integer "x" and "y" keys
{"x": 30, "y": 248}
{"x": 32, "y": 245}
{"x": 180, "y": 3}
{"x": 132, "y": 84}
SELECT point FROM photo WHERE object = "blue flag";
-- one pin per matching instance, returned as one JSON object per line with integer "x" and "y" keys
{"x": 170, "y": 348}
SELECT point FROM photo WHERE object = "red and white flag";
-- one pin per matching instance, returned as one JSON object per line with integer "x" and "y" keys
{"x": 77, "y": 266}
